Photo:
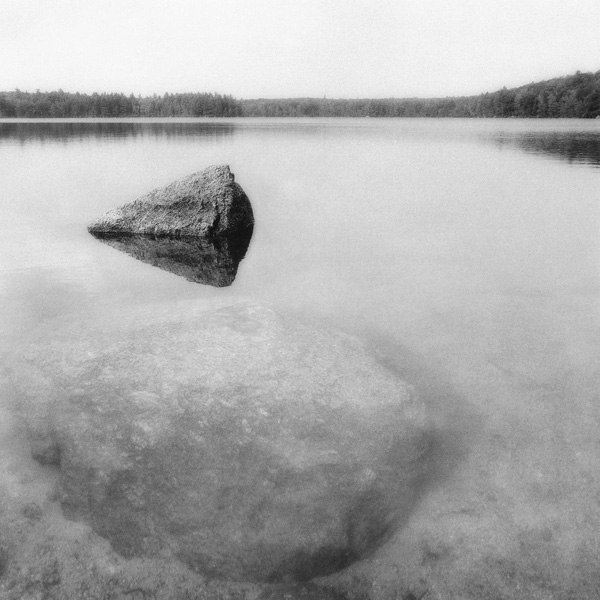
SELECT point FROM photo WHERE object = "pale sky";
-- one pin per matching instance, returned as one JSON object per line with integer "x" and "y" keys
{"x": 290, "y": 48}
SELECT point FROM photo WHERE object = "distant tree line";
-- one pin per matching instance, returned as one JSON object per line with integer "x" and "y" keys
{"x": 573, "y": 96}
{"x": 66, "y": 105}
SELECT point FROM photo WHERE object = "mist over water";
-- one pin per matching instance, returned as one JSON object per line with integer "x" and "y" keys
{"x": 465, "y": 251}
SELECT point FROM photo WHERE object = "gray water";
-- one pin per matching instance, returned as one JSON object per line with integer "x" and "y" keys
{"x": 469, "y": 249}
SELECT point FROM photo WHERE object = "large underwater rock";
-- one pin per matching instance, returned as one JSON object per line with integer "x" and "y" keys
{"x": 207, "y": 204}
{"x": 247, "y": 445}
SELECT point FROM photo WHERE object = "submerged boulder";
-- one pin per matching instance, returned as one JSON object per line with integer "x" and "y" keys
{"x": 247, "y": 445}
{"x": 208, "y": 203}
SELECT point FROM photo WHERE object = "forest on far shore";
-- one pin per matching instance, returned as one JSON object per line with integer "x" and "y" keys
{"x": 574, "y": 96}
{"x": 60, "y": 105}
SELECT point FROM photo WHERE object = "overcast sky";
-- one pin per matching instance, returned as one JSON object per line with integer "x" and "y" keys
{"x": 284, "y": 48}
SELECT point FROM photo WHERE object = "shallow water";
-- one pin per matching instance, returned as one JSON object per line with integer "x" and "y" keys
{"x": 467, "y": 250}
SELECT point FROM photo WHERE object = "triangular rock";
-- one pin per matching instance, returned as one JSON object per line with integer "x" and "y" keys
{"x": 205, "y": 204}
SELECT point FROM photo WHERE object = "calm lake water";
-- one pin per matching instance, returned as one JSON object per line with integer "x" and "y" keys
{"x": 470, "y": 249}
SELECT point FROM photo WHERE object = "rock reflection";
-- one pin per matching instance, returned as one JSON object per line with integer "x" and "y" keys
{"x": 207, "y": 261}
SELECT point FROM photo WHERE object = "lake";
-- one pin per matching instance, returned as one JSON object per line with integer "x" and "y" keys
{"x": 467, "y": 251}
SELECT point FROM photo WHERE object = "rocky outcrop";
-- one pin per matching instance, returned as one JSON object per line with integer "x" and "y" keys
{"x": 206, "y": 204}
{"x": 211, "y": 261}
{"x": 247, "y": 445}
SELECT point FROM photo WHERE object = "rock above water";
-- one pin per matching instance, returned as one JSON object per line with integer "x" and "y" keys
{"x": 207, "y": 204}
{"x": 247, "y": 445}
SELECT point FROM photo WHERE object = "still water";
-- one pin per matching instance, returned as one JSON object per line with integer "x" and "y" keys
{"x": 468, "y": 249}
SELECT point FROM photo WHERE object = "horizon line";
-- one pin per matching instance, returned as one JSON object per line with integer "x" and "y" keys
{"x": 288, "y": 97}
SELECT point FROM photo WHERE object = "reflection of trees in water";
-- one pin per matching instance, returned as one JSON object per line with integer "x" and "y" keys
{"x": 79, "y": 131}
{"x": 210, "y": 262}
{"x": 574, "y": 147}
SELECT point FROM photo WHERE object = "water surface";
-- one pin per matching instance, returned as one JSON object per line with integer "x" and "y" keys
{"x": 469, "y": 249}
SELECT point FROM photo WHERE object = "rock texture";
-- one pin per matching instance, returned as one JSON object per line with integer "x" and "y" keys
{"x": 211, "y": 261}
{"x": 207, "y": 204}
{"x": 247, "y": 445}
